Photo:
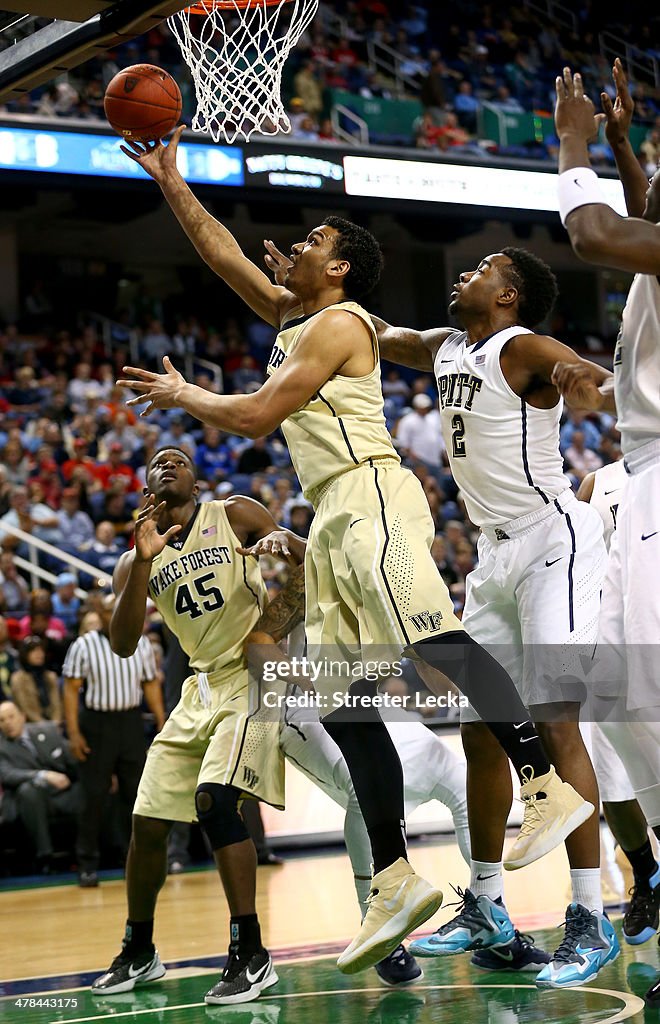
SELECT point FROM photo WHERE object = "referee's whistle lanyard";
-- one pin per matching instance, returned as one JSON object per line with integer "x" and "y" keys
{"x": 204, "y": 689}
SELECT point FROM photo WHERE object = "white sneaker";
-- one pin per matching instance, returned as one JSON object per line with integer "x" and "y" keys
{"x": 553, "y": 809}
{"x": 399, "y": 902}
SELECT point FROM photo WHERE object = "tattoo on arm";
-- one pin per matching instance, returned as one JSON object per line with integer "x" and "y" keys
{"x": 287, "y": 609}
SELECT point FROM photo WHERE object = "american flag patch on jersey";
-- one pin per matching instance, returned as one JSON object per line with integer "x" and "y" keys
{"x": 481, "y": 358}
{"x": 209, "y": 531}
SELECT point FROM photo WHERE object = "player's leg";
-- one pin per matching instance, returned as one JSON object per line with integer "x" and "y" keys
{"x": 558, "y": 597}
{"x": 166, "y": 793}
{"x": 307, "y": 745}
{"x": 243, "y": 759}
{"x": 629, "y": 827}
{"x": 340, "y": 561}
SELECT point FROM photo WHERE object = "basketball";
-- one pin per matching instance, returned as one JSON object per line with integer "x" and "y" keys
{"x": 143, "y": 102}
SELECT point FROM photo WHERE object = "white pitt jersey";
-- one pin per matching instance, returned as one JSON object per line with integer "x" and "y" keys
{"x": 637, "y": 365}
{"x": 609, "y": 482}
{"x": 504, "y": 454}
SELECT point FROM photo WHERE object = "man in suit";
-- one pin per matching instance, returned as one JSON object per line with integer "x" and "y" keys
{"x": 38, "y": 775}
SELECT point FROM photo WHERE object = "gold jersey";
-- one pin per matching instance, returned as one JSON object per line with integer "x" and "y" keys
{"x": 343, "y": 424}
{"x": 208, "y": 595}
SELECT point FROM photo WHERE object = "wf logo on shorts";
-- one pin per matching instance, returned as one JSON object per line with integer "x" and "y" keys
{"x": 250, "y": 777}
{"x": 425, "y": 622}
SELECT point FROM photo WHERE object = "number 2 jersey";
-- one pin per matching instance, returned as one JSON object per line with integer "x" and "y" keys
{"x": 504, "y": 454}
{"x": 208, "y": 595}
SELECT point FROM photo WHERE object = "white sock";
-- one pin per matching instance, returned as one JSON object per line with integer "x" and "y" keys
{"x": 486, "y": 879}
{"x": 585, "y": 888}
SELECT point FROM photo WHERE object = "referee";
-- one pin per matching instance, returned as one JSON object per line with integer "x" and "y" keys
{"x": 107, "y": 738}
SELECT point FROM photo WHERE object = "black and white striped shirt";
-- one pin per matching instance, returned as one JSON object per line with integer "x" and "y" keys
{"x": 113, "y": 683}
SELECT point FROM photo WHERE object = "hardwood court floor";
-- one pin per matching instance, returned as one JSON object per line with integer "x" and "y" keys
{"x": 56, "y": 940}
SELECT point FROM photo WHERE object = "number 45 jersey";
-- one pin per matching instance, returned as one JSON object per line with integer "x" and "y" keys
{"x": 504, "y": 454}
{"x": 208, "y": 595}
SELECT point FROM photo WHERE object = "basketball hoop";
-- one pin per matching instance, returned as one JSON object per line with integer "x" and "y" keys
{"x": 236, "y": 50}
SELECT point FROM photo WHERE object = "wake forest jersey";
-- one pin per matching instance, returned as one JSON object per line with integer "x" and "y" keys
{"x": 504, "y": 454}
{"x": 343, "y": 424}
{"x": 637, "y": 365}
{"x": 208, "y": 595}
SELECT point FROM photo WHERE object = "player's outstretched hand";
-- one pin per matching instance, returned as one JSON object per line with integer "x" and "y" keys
{"x": 156, "y": 159}
{"x": 148, "y": 541}
{"x": 160, "y": 390}
{"x": 275, "y": 544}
{"x": 574, "y": 112}
{"x": 276, "y": 262}
{"x": 574, "y": 381}
{"x": 618, "y": 115}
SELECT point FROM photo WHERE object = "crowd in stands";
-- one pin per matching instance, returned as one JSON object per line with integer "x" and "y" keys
{"x": 453, "y": 57}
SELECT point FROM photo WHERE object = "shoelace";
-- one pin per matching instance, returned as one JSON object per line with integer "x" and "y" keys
{"x": 468, "y": 912}
{"x": 532, "y": 816}
{"x": 574, "y": 927}
{"x": 398, "y": 956}
{"x": 642, "y": 902}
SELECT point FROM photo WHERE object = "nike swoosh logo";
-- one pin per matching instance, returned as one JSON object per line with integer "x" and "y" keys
{"x": 482, "y": 878}
{"x": 605, "y": 493}
{"x": 259, "y": 976}
{"x": 576, "y": 182}
{"x": 649, "y": 535}
{"x": 391, "y": 903}
{"x": 350, "y": 525}
{"x": 519, "y": 725}
{"x": 503, "y": 956}
{"x": 140, "y": 970}
{"x": 447, "y": 360}
{"x": 529, "y": 739}
{"x": 548, "y": 564}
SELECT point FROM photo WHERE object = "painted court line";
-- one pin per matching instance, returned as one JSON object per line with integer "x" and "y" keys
{"x": 631, "y": 1004}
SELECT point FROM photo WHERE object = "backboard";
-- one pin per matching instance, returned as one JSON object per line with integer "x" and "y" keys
{"x": 44, "y": 38}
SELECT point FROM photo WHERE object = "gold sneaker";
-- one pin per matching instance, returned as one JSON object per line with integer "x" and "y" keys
{"x": 553, "y": 809}
{"x": 399, "y": 902}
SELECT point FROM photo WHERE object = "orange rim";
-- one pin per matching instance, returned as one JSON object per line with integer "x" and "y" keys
{"x": 207, "y": 6}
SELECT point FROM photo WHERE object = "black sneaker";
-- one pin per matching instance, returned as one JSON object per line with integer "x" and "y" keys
{"x": 242, "y": 981}
{"x": 640, "y": 921}
{"x": 126, "y": 971}
{"x": 399, "y": 968}
{"x": 520, "y": 954}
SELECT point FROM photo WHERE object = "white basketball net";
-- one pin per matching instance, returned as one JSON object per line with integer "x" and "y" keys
{"x": 236, "y": 57}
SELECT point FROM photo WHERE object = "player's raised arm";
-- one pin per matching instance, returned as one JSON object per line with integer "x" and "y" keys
{"x": 408, "y": 347}
{"x": 326, "y": 346}
{"x": 130, "y": 580}
{"x": 538, "y": 359}
{"x": 214, "y": 243}
{"x": 618, "y": 118}
{"x": 598, "y": 234}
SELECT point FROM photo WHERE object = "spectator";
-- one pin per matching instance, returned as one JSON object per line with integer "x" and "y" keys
{"x": 37, "y": 519}
{"x": 581, "y": 460}
{"x": 8, "y": 660}
{"x": 213, "y": 456}
{"x": 451, "y": 134}
{"x": 432, "y": 91}
{"x": 16, "y": 462}
{"x": 40, "y": 620}
{"x": 124, "y": 434}
{"x": 117, "y": 510}
{"x": 650, "y": 151}
{"x": 156, "y": 342}
{"x": 104, "y": 551}
{"x": 466, "y": 106}
{"x": 326, "y": 131}
{"x": 178, "y": 437}
{"x": 579, "y": 421}
{"x": 15, "y": 590}
{"x": 38, "y": 776}
{"x": 34, "y": 688}
{"x": 116, "y": 472}
{"x": 82, "y": 388}
{"x": 419, "y": 434}
{"x": 90, "y": 620}
{"x": 76, "y": 527}
{"x": 66, "y": 605}
{"x": 505, "y": 102}
{"x": 308, "y": 88}
{"x": 296, "y": 112}
{"x": 107, "y": 735}
{"x": 439, "y": 553}
{"x": 82, "y": 467}
{"x": 5, "y": 492}
{"x": 255, "y": 458}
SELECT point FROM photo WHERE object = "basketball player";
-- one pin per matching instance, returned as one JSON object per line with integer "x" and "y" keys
{"x": 604, "y": 489}
{"x": 211, "y": 752}
{"x": 630, "y": 618}
{"x": 370, "y": 577}
{"x": 431, "y": 772}
{"x": 537, "y": 588}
